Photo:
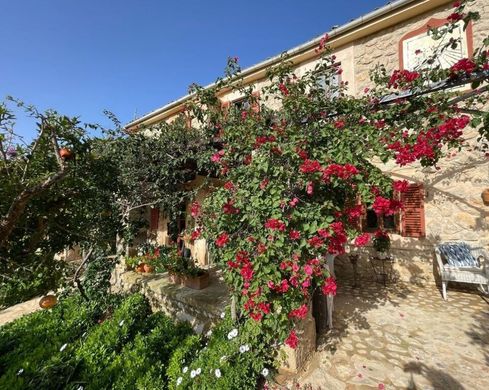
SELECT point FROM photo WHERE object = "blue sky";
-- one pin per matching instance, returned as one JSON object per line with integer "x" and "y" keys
{"x": 133, "y": 56}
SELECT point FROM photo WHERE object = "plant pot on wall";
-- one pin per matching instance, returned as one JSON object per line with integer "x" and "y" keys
{"x": 196, "y": 282}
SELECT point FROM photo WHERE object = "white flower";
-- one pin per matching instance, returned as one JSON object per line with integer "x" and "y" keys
{"x": 193, "y": 374}
{"x": 223, "y": 315}
{"x": 121, "y": 323}
{"x": 242, "y": 349}
{"x": 185, "y": 369}
{"x": 232, "y": 334}
{"x": 20, "y": 371}
{"x": 80, "y": 387}
{"x": 209, "y": 333}
{"x": 84, "y": 334}
{"x": 247, "y": 347}
{"x": 218, "y": 373}
{"x": 223, "y": 358}
{"x": 264, "y": 372}
{"x": 198, "y": 371}
{"x": 63, "y": 347}
{"x": 179, "y": 381}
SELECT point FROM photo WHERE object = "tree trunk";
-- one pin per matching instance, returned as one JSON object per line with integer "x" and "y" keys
{"x": 19, "y": 204}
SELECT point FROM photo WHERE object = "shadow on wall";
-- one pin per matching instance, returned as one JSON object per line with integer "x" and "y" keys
{"x": 439, "y": 379}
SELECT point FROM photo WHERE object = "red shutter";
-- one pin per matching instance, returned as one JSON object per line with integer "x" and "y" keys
{"x": 412, "y": 217}
{"x": 154, "y": 217}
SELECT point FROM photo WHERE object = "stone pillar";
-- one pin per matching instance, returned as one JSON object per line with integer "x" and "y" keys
{"x": 296, "y": 359}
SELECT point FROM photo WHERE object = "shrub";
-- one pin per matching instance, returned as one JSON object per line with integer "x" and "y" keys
{"x": 32, "y": 348}
{"x": 233, "y": 358}
{"x": 105, "y": 342}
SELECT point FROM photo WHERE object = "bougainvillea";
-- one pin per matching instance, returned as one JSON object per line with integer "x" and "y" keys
{"x": 298, "y": 177}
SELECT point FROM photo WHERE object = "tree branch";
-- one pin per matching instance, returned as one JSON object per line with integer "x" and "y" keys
{"x": 76, "y": 277}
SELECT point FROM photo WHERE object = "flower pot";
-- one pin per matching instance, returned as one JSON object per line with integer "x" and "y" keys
{"x": 485, "y": 196}
{"x": 148, "y": 268}
{"x": 140, "y": 268}
{"x": 48, "y": 301}
{"x": 196, "y": 282}
{"x": 174, "y": 278}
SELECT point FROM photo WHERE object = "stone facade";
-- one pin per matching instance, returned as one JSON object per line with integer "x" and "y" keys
{"x": 453, "y": 206}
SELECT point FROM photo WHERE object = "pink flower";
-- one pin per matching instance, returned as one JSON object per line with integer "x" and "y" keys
{"x": 195, "y": 209}
{"x": 196, "y": 234}
{"x": 264, "y": 184}
{"x": 283, "y": 89}
{"x": 329, "y": 286}
{"x": 292, "y": 340}
{"x": 362, "y": 239}
{"x": 222, "y": 240}
{"x": 229, "y": 186}
{"x": 310, "y": 188}
{"x": 216, "y": 157}
{"x": 308, "y": 269}
{"x": 294, "y": 202}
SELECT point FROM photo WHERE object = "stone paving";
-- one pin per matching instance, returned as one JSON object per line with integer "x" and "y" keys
{"x": 403, "y": 337}
{"x": 13, "y": 312}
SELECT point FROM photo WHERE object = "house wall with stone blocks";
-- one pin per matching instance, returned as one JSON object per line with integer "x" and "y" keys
{"x": 453, "y": 207}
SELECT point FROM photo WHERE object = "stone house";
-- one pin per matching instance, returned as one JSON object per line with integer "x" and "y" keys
{"x": 442, "y": 205}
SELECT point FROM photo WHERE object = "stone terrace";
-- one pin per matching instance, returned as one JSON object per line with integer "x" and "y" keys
{"x": 403, "y": 337}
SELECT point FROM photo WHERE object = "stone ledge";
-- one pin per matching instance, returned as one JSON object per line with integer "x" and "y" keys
{"x": 201, "y": 308}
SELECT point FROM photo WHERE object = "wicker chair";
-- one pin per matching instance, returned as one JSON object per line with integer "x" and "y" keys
{"x": 451, "y": 271}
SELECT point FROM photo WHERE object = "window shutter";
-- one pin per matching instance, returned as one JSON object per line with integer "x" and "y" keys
{"x": 412, "y": 218}
{"x": 154, "y": 218}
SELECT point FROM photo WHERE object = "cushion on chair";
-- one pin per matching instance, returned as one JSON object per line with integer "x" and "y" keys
{"x": 458, "y": 255}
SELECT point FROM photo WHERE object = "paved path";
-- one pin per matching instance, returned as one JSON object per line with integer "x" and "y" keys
{"x": 403, "y": 337}
{"x": 19, "y": 310}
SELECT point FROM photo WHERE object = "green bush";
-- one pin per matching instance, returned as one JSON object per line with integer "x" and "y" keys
{"x": 31, "y": 348}
{"x": 224, "y": 363}
{"x": 104, "y": 343}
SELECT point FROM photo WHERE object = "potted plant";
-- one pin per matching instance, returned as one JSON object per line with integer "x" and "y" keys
{"x": 381, "y": 243}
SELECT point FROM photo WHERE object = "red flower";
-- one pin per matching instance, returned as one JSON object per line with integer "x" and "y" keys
{"x": 247, "y": 160}
{"x": 400, "y": 185}
{"x": 264, "y": 307}
{"x": 195, "y": 209}
{"x": 316, "y": 242}
{"x": 455, "y": 17}
{"x": 362, "y": 239}
{"x": 256, "y": 316}
{"x": 310, "y": 166}
{"x": 300, "y": 312}
{"x": 463, "y": 65}
{"x": 457, "y": 4}
{"x": 301, "y": 153}
{"x": 329, "y": 286}
{"x": 283, "y": 89}
{"x": 196, "y": 234}
{"x": 275, "y": 224}
{"x": 261, "y": 248}
{"x": 264, "y": 184}
{"x": 244, "y": 114}
{"x": 401, "y": 78}
{"x": 339, "y": 124}
{"x": 292, "y": 340}
{"x": 229, "y": 186}
{"x": 228, "y": 207}
{"x": 222, "y": 240}
{"x": 247, "y": 271}
{"x": 294, "y": 235}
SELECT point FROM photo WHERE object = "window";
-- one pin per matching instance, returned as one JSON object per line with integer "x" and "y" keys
{"x": 409, "y": 222}
{"x": 330, "y": 82}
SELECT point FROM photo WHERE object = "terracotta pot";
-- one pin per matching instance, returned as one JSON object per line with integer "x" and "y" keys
{"x": 148, "y": 268}
{"x": 196, "y": 282}
{"x": 48, "y": 301}
{"x": 485, "y": 196}
{"x": 140, "y": 267}
{"x": 65, "y": 153}
{"x": 175, "y": 278}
